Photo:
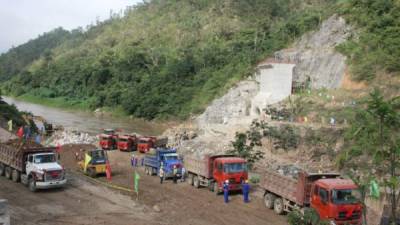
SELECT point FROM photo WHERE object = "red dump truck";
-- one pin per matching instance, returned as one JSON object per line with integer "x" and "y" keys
{"x": 333, "y": 198}
{"x": 212, "y": 171}
{"x": 144, "y": 144}
{"x": 32, "y": 164}
{"x": 127, "y": 142}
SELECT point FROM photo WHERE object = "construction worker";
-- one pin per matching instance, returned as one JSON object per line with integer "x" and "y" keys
{"x": 226, "y": 191}
{"x": 175, "y": 174}
{"x": 183, "y": 174}
{"x": 245, "y": 191}
{"x": 161, "y": 173}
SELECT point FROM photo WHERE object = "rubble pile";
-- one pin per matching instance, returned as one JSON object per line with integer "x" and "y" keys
{"x": 71, "y": 137}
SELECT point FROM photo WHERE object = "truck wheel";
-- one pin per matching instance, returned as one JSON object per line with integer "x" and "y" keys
{"x": 8, "y": 172}
{"x": 190, "y": 179}
{"x": 91, "y": 172}
{"x": 32, "y": 185}
{"x": 269, "y": 200}
{"x": 2, "y": 168}
{"x": 146, "y": 170}
{"x": 278, "y": 206}
{"x": 15, "y": 176}
{"x": 196, "y": 181}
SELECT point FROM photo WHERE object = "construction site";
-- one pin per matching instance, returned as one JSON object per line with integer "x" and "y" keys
{"x": 88, "y": 169}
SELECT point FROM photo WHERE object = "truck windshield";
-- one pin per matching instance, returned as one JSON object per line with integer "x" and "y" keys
{"x": 98, "y": 155}
{"x": 45, "y": 158}
{"x": 346, "y": 196}
{"x": 168, "y": 157}
{"x": 235, "y": 167}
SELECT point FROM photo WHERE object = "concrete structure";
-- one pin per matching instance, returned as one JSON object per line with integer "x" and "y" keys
{"x": 275, "y": 84}
{"x": 4, "y": 213}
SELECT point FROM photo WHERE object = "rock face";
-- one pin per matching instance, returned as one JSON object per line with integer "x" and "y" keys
{"x": 315, "y": 56}
{"x": 312, "y": 58}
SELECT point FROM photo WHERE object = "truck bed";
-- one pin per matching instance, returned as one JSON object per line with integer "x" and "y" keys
{"x": 280, "y": 184}
{"x": 199, "y": 166}
{"x": 297, "y": 188}
{"x": 152, "y": 161}
{"x": 13, "y": 153}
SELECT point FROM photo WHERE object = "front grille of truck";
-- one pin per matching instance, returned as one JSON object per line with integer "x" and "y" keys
{"x": 354, "y": 215}
{"x": 54, "y": 175}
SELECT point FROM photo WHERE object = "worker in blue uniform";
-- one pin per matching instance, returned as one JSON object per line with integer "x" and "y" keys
{"x": 226, "y": 191}
{"x": 246, "y": 191}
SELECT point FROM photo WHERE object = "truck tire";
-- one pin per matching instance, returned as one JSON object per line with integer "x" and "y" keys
{"x": 196, "y": 182}
{"x": 146, "y": 170}
{"x": 32, "y": 184}
{"x": 8, "y": 172}
{"x": 190, "y": 179}
{"x": 91, "y": 172}
{"x": 15, "y": 176}
{"x": 269, "y": 200}
{"x": 2, "y": 168}
{"x": 278, "y": 206}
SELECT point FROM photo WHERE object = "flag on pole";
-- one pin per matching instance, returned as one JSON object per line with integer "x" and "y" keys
{"x": 108, "y": 170}
{"x": 374, "y": 189}
{"x": 137, "y": 178}
{"x": 20, "y": 132}
{"x": 58, "y": 148}
{"x": 87, "y": 161}
{"x": 10, "y": 125}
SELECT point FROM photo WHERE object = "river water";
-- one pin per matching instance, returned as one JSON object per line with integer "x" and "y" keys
{"x": 87, "y": 121}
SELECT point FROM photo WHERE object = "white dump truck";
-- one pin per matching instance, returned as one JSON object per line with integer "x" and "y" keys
{"x": 32, "y": 164}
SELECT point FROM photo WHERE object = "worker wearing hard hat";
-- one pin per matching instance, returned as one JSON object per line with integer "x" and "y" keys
{"x": 226, "y": 191}
{"x": 246, "y": 191}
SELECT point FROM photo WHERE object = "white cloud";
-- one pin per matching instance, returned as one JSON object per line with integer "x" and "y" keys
{"x": 22, "y": 20}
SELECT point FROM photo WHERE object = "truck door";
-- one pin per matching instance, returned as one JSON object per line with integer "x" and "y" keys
{"x": 320, "y": 201}
{"x": 218, "y": 172}
{"x": 29, "y": 164}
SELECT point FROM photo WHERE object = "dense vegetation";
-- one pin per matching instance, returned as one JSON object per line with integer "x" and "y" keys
{"x": 376, "y": 47}
{"x": 10, "y": 112}
{"x": 163, "y": 58}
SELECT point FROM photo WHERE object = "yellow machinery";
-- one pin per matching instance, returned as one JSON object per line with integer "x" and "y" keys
{"x": 95, "y": 162}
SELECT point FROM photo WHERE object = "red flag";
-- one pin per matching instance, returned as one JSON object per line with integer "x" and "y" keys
{"x": 20, "y": 132}
{"x": 58, "y": 148}
{"x": 108, "y": 170}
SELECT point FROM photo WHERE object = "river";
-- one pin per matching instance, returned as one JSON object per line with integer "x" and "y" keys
{"x": 87, "y": 121}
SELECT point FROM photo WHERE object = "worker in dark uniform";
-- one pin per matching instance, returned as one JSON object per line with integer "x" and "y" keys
{"x": 245, "y": 191}
{"x": 175, "y": 174}
{"x": 226, "y": 191}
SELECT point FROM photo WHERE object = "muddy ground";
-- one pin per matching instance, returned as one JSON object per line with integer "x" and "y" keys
{"x": 183, "y": 204}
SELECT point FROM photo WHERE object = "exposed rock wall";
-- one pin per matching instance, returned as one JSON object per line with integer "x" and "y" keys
{"x": 315, "y": 55}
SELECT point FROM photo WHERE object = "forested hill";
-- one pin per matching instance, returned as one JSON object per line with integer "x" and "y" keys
{"x": 165, "y": 58}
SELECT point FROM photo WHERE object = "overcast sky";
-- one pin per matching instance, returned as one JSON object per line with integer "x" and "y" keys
{"x": 22, "y": 20}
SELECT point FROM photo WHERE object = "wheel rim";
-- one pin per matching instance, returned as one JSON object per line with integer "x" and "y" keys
{"x": 278, "y": 206}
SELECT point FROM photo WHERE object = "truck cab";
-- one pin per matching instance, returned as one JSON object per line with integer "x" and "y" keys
{"x": 233, "y": 169}
{"x": 43, "y": 172}
{"x": 167, "y": 158}
{"x": 107, "y": 142}
{"x": 126, "y": 143}
{"x": 144, "y": 144}
{"x": 337, "y": 200}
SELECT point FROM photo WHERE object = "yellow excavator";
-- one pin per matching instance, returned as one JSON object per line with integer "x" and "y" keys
{"x": 96, "y": 162}
{"x": 47, "y": 127}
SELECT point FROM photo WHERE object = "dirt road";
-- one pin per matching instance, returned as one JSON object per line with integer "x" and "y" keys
{"x": 80, "y": 203}
{"x": 84, "y": 202}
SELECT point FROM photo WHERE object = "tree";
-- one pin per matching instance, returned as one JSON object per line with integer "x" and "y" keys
{"x": 244, "y": 144}
{"x": 374, "y": 134}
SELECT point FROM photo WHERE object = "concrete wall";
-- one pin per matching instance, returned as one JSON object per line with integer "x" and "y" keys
{"x": 4, "y": 213}
{"x": 275, "y": 82}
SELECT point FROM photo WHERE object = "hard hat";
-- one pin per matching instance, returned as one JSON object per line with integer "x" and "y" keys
{"x": 246, "y": 181}
{"x": 227, "y": 181}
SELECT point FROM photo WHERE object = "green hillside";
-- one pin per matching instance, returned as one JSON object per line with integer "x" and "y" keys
{"x": 163, "y": 58}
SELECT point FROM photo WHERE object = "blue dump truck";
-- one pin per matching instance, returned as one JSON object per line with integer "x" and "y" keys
{"x": 167, "y": 158}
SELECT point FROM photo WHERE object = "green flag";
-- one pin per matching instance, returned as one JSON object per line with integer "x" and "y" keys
{"x": 137, "y": 178}
{"x": 374, "y": 189}
{"x": 10, "y": 125}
